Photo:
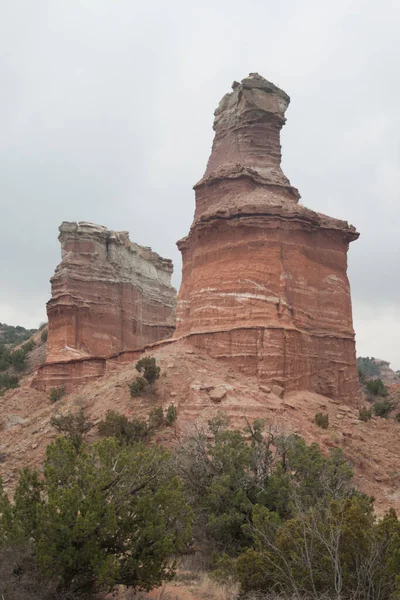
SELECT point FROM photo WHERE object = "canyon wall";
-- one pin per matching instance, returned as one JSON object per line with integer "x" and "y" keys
{"x": 264, "y": 281}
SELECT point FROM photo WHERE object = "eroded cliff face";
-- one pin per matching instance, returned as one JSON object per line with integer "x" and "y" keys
{"x": 108, "y": 295}
{"x": 264, "y": 278}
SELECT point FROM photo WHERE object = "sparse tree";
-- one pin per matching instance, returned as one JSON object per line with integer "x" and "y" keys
{"x": 149, "y": 368}
{"x": 74, "y": 426}
{"x": 107, "y": 514}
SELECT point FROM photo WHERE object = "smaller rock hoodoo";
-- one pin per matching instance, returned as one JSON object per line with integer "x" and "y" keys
{"x": 108, "y": 295}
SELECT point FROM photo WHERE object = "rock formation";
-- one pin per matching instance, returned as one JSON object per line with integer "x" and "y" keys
{"x": 264, "y": 279}
{"x": 108, "y": 295}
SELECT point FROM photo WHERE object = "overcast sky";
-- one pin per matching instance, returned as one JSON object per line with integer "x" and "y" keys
{"x": 106, "y": 110}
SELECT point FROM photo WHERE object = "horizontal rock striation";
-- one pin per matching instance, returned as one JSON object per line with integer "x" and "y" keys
{"x": 264, "y": 279}
{"x": 109, "y": 295}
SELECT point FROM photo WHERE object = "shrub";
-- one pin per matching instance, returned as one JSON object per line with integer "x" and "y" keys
{"x": 320, "y": 552}
{"x": 284, "y": 519}
{"x": 18, "y": 359}
{"x": 322, "y": 420}
{"x": 367, "y": 367}
{"x": 383, "y": 408}
{"x": 377, "y": 387}
{"x": 156, "y": 418}
{"x": 4, "y": 361}
{"x": 114, "y": 425}
{"x": 107, "y": 515}
{"x": 397, "y": 417}
{"x": 172, "y": 414}
{"x": 226, "y": 473}
{"x": 365, "y": 414}
{"x": 132, "y": 430}
{"x": 56, "y": 393}
{"x": 361, "y": 374}
{"x": 12, "y": 336}
{"x": 5, "y": 358}
{"x": 148, "y": 367}
{"x": 8, "y": 382}
{"x": 139, "y": 386}
{"x": 75, "y": 426}
{"x": 28, "y": 347}
{"x": 150, "y": 371}
{"x": 119, "y": 426}
{"x": 44, "y": 334}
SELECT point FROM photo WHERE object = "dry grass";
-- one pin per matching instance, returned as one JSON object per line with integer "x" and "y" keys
{"x": 272, "y": 596}
{"x": 160, "y": 594}
{"x": 194, "y": 563}
{"x": 192, "y": 575}
{"x": 194, "y": 586}
{"x": 209, "y": 589}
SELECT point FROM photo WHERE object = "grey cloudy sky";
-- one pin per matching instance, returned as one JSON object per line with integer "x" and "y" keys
{"x": 106, "y": 110}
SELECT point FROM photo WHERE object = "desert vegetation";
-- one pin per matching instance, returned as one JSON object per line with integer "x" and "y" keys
{"x": 375, "y": 390}
{"x": 102, "y": 514}
{"x": 365, "y": 414}
{"x": 150, "y": 372}
{"x": 56, "y": 393}
{"x": 73, "y": 425}
{"x": 384, "y": 408}
{"x": 266, "y": 515}
{"x": 378, "y": 395}
{"x": 11, "y": 336}
{"x": 134, "y": 430}
{"x": 376, "y": 387}
{"x": 8, "y": 382}
{"x": 283, "y": 520}
{"x": 322, "y": 420}
{"x": 15, "y": 359}
{"x": 367, "y": 367}
{"x": 11, "y": 363}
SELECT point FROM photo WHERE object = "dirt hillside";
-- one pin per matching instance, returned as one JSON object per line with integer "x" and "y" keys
{"x": 200, "y": 386}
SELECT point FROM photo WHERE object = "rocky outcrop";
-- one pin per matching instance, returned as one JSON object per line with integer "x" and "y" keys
{"x": 385, "y": 372}
{"x": 109, "y": 296}
{"x": 264, "y": 278}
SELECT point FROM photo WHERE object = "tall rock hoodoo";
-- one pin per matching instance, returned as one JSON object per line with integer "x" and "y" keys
{"x": 108, "y": 295}
{"x": 264, "y": 279}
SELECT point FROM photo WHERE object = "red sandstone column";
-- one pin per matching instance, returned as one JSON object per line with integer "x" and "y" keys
{"x": 264, "y": 281}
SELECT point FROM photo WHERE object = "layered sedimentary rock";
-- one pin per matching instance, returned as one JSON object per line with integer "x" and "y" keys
{"x": 108, "y": 295}
{"x": 264, "y": 279}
